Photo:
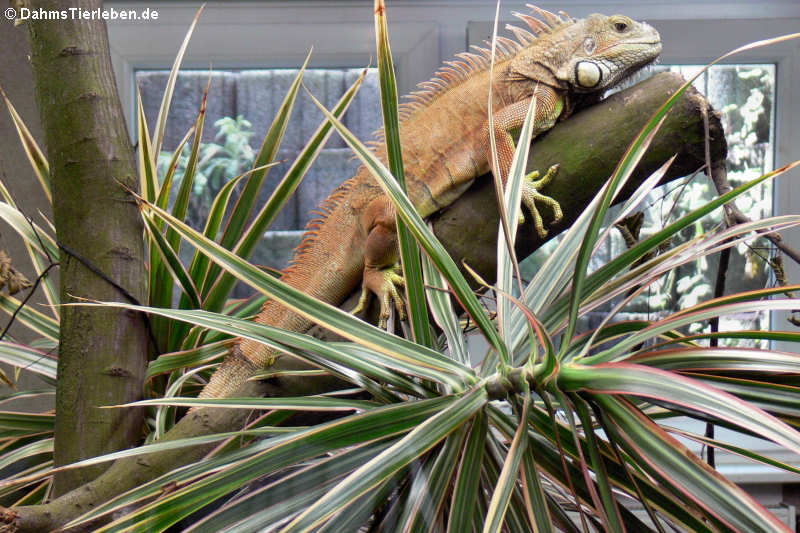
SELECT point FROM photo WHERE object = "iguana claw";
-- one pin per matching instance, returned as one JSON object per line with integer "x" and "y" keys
{"x": 530, "y": 193}
{"x": 383, "y": 283}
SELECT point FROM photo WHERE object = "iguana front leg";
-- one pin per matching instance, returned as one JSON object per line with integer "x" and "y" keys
{"x": 549, "y": 105}
{"x": 383, "y": 275}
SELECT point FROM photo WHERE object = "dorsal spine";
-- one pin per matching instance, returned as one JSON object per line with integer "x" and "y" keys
{"x": 470, "y": 63}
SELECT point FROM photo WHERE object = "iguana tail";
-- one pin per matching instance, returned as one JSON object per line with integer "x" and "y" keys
{"x": 326, "y": 265}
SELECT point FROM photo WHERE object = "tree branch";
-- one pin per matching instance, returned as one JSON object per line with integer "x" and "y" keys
{"x": 587, "y": 148}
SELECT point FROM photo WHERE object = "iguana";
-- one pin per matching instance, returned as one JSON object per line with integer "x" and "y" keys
{"x": 444, "y": 134}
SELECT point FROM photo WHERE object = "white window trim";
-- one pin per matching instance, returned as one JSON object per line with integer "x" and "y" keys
{"x": 280, "y": 33}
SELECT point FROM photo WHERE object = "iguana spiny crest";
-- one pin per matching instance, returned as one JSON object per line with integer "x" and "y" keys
{"x": 566, "y": 54}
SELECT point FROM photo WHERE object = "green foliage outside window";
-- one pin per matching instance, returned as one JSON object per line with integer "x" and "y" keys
{"x": 218, "y": 163}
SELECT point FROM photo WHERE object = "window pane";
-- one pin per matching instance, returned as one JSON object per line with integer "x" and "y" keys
{"x": 744, "y": 96}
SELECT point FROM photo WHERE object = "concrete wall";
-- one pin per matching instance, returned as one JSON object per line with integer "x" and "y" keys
{"x": 16, "y": 173}
{"x": 257, "y": 95}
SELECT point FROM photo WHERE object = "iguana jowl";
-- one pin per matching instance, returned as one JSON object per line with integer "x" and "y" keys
{"x": 445, "y": 143}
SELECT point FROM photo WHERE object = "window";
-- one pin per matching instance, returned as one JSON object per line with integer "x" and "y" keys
{"x": 753, "y": 92}
{"x": 744, "y": 95}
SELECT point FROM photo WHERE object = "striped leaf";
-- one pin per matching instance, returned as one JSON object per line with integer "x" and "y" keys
{"x": 671, "y": 463}
{"x": 219, "y": 286}
{"x": 409, "y": 252}
{"x": 36, "y": 157}
{"x": 458, "y": 411}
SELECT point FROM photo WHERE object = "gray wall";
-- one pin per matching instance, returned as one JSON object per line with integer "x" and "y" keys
{"x": 15, "y": 171}
{"x": 257, "y": 95}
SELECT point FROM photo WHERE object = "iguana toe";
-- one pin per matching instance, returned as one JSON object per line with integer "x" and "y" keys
{"x": 385, "y": 284}
{"x": 531, "y": 194}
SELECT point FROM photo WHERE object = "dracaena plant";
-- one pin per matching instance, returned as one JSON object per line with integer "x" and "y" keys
{"x": 180, "y": 350}
{"x": 558, "y": 428}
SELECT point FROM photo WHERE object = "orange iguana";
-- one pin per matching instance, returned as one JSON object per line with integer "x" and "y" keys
{"x": 445, "y": 143}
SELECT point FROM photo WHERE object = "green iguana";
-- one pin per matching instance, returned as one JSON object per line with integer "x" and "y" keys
{"x": 445, "y": 144}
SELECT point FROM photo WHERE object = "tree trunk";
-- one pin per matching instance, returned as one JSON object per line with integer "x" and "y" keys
{"x": 102, "y": 352}
{"x": 587, "y": 146}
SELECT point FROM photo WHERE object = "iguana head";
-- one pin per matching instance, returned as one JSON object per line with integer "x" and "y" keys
{"x": 612, "y": 48}
{"x": 587, "y": 55}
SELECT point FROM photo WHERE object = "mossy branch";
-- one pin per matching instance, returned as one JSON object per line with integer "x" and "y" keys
{"x": 587, "y": 148}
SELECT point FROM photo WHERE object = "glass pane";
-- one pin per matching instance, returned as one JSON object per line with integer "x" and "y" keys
{"x": 744, "y": 96}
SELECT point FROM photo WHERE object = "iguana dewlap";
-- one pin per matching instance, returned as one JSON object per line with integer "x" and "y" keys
{"x": 445, "y": 144}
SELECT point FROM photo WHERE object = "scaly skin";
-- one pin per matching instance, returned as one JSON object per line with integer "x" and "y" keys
{"x": 444, "y": 133}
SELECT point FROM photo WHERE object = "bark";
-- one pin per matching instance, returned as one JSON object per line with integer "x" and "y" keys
{"x": 587, "y": 146}
{"x": 102, "y": 353}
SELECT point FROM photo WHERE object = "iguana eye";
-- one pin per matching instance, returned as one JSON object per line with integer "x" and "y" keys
{"x": 620, "y": 24}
